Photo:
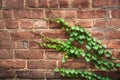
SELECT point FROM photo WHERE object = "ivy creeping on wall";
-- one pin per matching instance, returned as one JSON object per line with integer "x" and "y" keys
{"x": 95, "y": 52}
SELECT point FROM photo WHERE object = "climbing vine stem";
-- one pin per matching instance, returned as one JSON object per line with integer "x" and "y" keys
{"x": 95, "y": 52}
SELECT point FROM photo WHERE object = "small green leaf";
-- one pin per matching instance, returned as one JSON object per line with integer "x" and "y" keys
{"x": 87, "y": 59}
{"x": 95, "y": 47}
{"x": 94, "y": 57}
{"x": 118, "y": 64}
{"x": 72, "y": 51}
{"x": 63, "y": 60}
{"x": 107, "y": 55}
{"x": 88, "y": 47}
{"x": 56, "y": 70}
{"x": 100, "y": 51}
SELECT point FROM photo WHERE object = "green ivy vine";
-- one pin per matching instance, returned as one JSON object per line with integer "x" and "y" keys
{"x": 96, "y": 53}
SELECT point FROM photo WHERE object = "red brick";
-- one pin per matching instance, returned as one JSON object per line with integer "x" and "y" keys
{"x": 55, "y": 34}
{"x": 14, "y": 3}
{"x": 22, "y": 14}
{"x": 26, "y": 24}
{"x": 102, "y": 3}
{"x": 73, "y": 64}
{"x": 12, "y": 64}
{"x": 113, "y": 35}
{"x": 23, "y": 35}
{"x": 7, "y": 14}
{"x": 54, "y": 25}
{"x": 112, "y": 44}
{"x": 4, "y": 35}
{"x": 80, "y": 4}
{"x": 2, "y": 24}
{"x": 53, "y": 55}
{"x": 11, "y": 24}
{"x": 29, "y": 54}
{"x": 36, "y": 13}
{"x": 115, "y": 14}
{"x": 43, "y": 3}
{"x": 5, "y": 73}
{"x": 84, "y": 23}
{"x": 6, "y": 54}
{"x": 40, "y": 24}
{"x": 68, "y": 14}
{"x": 28, "y": 74}
{"x": 114, "y": 23}
{"x": 71, "y": 22}
{"x": 114, "y": 74}
{"x": 32, "y": 3}
{"x": 5, "y": 44}
{"x": 0, "y": 3}
{"x": 64, "y": 3}
{"x": 53, "y": 13}
{"x": 54, "y": 75}
{"x": 99, "y": 23}
{"x": 53, "y": 3}
{"x": 91, "y": 14}
{"x": 116, "y": 54}
{"x": 97, "y": 34}
{"x": 34, "y": 45}
{"x": 18, "y": 45}
{"x": 1, "y": 13}
{"x": 41, "y": 64}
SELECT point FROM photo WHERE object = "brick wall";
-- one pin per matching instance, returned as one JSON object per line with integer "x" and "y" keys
{"x": 20, "y": 55}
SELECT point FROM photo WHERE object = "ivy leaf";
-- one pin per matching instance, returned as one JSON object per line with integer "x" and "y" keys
{"x": 118, "y": 64}
{"x": 87, "y": 59}
{"x": 95, "y": 47}
{"x": 72, "y": 51}
{"x": 81, "y": 37}
{"x": 101, "y": 51}
{"x": 107, "y": 55}
{"x": 94, "y": 57}
{"x": 63, "y": 60}
{"x": 56, "y": 70}
{"x": 103, "y": 68}
{"x": 88, "y": 47}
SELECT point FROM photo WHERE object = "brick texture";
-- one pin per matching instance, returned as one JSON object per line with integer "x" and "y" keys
{"x": 21, "y": 56}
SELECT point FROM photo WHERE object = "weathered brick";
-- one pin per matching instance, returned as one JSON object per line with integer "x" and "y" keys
{"x": 7, "y": 14}
{"x": 29, "y": 54}
{"x": 97, "y": 34}
{"x": 12, "y": 64}
{"x": 1, "y": 13}
{"x": 53, "y": 55}
{"x": 116, "y": 53}
{"x": 14, "y": 3}
{"x": 68, "y": 14}
{"x": 84, "y": 23}
{"x": 28, "y": 74}
{"x": 80, "y": 4}
{"x": 73, "y": 64}
{"x": 54, "y": 75}
{"x": 115, "y": 14}
{"x": 36, "y": 13}
{"x": 43, "y": 3}
{"x": 0, "y": 3}
{"x": 64, "y": 3}
{"x": 6, "y": 74}
{"x": 99, "y": 13}
{"x": 32, "y": 3}
{"x": 114, "y": 23}
{"x": 18, "y": 45}
{"x": 4, "y": 35}
{"x": 112, "y": 44}
{"x": 23, "y": 35}
{"x": 53, "y": 3}
{"x": 26, "y": 24}
{"x": 22, "y": 14}
{"x": 34, "y": 45}
{"x": 11, "y": 24}
{"x": 58, "y": 34}
{"x": 5, "y": 44}
{"x": 99, "y": 23}
{"x": 113, "y": 35}
{"x": 102, "y": 3}
{"x": 114, "y": 74}
{"x": 41, "y": 64}
{"x": 40, "y": 24}
{"x": 6, "y": 54}
{"x": 53, "y": 13}
{"x": 54, "y": 25}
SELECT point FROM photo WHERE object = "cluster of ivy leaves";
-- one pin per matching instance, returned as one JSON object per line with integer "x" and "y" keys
{"x": 96, "y": 53}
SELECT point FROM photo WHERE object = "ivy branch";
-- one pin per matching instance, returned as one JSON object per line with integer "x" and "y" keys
{"x": 96, "y": 53}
